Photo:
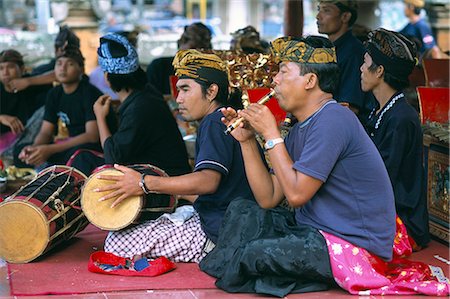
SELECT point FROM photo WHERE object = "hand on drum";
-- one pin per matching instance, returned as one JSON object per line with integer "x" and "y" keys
{"x": 125, "y": 185}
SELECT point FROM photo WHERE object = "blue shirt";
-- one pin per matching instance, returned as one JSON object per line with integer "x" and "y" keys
{"x": 422, "y": 31}
{"x": 356, "y": 200}
{"x": 222, "y": 153}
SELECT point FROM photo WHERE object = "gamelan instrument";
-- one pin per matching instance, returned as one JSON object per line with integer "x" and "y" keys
{"x": 41, "y": 214}
{"x": 236, "y": 123}
{"x": 132, "y": 210}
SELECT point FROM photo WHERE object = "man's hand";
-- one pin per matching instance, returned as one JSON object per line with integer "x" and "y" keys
{"x": 125, "y": 186}
{"x": 36, "y": 154}
{"x": 241, "y": 133}
{"x": 13, "y": 123}
{"x": 262, "y": 120}
{"x": 101, "y": 106}
{"x": 19, "y": 84}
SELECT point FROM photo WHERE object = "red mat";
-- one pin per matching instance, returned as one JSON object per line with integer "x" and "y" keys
{"x": 64, "y": 271}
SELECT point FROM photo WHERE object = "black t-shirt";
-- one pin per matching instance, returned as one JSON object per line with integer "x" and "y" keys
{"x": 147, "y": 133}
{"x": 159, "y": 72}
{"x": 21, "y": 104}
{"x": 74, "y": 109}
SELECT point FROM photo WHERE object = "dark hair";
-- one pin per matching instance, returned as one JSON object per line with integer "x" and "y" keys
{"x": 135, "y": 80}
{"x": 394, "y": 82}
{"x": 352, "y": 11}
{"x": 74, "y": 53}
{"x": 66, "y": 37}
{"x": 199, "y": 34}
{"x": 417, "y": 10}
{"x": 223, "y": 96}
{"x": 11, "y": 55}
{"x": 328, "y": 73}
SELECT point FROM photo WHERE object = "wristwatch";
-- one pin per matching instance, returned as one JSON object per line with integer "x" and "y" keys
{"x": 142, "y": 184}
{"x": 272, "y": 142}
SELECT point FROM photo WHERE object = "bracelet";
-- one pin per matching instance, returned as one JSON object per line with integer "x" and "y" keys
{"x": 142, "y": 184}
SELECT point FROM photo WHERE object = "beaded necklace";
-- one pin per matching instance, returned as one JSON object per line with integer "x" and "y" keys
{"x": 385, "y": 109}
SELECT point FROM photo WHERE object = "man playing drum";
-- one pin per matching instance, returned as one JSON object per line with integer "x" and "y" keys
{"x": 217, "y": 179}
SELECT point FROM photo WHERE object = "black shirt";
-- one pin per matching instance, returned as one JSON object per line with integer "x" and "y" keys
{"x": 147, "y": 133}
{"x": 159, "y": 72}
{"x": 350, "y": 56}
{"x": 21, "y": 104}
{"x": 74, "y": 109}
{"x": 397, "y": 133}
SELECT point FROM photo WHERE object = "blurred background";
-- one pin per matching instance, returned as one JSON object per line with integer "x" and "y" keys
{"x": 30, "y": 26}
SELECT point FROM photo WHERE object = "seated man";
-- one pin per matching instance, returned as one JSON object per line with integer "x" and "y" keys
{"x": 395, "y": 127}
{"x": 45, "y": 73}
{"x": 195, "y": 36}
{"x": 247, "y": 40}
{"x": 217, "y": 179}
{"x": 321, "y": 168}
{"x": 147, "y": 131}
{"x": 16, "y": 107}
{"x": 68, "y": 113}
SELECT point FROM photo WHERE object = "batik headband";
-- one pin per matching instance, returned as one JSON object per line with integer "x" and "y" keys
{"x": 200, "y": 66}
{"x": 395, "y": 52}
{"x": 117, "y": 65}
{"x": 290, "y": 49}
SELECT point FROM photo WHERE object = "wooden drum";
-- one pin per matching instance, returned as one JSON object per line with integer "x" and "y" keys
{"x": 133, "y": 210}
{"x": 41, "y": 214}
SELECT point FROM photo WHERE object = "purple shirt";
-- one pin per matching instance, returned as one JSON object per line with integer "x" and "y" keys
{"x": 356, "y": 200}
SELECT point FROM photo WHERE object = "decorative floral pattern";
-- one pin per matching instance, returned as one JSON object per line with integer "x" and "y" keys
{"x": 361, "y": 273}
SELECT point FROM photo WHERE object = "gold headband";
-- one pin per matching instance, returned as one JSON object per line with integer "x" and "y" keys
{"x": 288, "y": 49}
{"x": 189, "y": 62}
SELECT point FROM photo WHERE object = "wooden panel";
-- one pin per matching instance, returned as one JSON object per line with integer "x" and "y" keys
{"x": 437, "y": 72}
{"x": 438, "y": 181}
{"x": 434, "y": 104}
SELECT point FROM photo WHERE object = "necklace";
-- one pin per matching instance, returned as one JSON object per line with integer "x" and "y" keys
{"x": 385, "y": 109}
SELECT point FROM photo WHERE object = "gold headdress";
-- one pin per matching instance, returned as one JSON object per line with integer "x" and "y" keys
{"x": 197, "y": 65}
{"x": 290, "y": 49}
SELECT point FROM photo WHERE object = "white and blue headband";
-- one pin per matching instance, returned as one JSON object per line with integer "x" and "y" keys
{"x": 117, "y": 65}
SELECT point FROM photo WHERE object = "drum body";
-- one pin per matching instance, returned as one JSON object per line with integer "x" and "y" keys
{"x": 133, "y": 210}
{"x": 41, "y": 214}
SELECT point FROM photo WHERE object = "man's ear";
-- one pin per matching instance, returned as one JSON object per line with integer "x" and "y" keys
{"x": 380, "y": 71}
{"x": 346, "y": 16}
{"x": 212, "y": 92}
{"x": 311, "y": 80}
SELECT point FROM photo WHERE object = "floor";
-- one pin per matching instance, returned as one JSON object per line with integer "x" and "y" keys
{"x": 436, "y": 254}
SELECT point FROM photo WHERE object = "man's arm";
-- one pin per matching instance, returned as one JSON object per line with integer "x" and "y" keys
{"x": 205, "y": 181}
{"x": 23, "y": 83}
{"x": 45, "y": 135}
{"x": 297, "y": 187}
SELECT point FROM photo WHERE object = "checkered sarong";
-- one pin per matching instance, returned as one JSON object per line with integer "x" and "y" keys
{"x": 160, "y": 237}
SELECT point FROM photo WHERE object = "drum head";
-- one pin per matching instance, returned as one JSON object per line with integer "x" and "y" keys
{"x": 24, "y": 232}
{"x": 100, "y": 213}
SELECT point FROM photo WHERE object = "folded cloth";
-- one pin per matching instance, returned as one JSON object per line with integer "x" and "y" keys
{"x": 180, "y": 215}
{"x": 108, "y": 263}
